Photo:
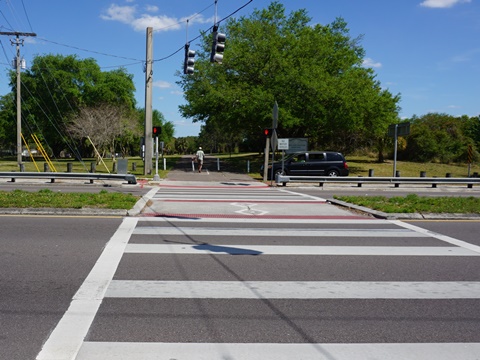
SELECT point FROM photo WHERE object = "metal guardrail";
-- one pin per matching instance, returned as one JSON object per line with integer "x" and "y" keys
{"x": 434, "y": 181}
{"x": 67, "y": 175}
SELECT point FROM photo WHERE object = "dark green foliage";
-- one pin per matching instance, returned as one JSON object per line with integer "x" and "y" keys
{"x": 54, "y": 90}
{"x": 439, "y": 137}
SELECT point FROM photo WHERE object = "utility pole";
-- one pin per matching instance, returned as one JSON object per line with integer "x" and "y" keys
{"x": 18, "y": 62}
{"x": 148, "y": 153}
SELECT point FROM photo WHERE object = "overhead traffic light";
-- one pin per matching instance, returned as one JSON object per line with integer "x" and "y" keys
{"x": 156, "y": 131}
{"x": 189, "y": 62}
{"x": 218, "y": 46}
{"x": 267, "y": 132}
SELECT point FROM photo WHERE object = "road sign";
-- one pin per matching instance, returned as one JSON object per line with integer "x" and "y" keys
{"x": 273, "y": 141}
{"x": 470, "y": 154}
{"x": 403, "y": 129}
{"x": 283, "y": 144}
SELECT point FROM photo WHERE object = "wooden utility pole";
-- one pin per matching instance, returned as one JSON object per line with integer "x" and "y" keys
{"x": 148, "y": 153}
{"x": 18, "y": 63}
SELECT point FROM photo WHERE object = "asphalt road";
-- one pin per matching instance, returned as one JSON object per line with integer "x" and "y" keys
{"x": 43, "y": 262}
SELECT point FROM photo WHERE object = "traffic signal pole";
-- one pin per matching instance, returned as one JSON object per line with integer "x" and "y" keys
{"x": 265, "y": 163}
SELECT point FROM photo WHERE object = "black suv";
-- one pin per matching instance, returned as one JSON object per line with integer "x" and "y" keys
{"x": 323, "y": 163}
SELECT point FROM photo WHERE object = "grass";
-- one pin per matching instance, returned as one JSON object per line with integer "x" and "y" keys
{"x": 415, "y": 204}
{"x": 47, "y": 198}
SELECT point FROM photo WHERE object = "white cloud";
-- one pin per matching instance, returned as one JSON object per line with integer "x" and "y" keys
{"x": 466, "y": 56}
{"x": 124, "y": 14}
{"x": 162, "y": 84}
{"x": 151, "y": 8}
{"x": 442, "y": 4}
{"x": 129, "y": 15}
{"x": 197, "y": 19}
{"x": 368, "y": 62}
{"x": 158, "y": 23}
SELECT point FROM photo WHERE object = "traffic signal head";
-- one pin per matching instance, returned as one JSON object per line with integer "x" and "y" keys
{"x": 267, "y": 132}
{"x": 218, "y": 46}
{"x": 156, "y": 130}
{"x": 189, "y": 62}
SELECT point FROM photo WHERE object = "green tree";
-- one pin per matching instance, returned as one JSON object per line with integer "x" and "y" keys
{"x": 56, "y": 87}
{"x": 315, "y": 74}
{"x": 437, "y": 137}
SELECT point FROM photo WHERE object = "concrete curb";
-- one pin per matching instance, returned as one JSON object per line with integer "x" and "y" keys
{"x": 140, "y": 205}
{"x": 64, "y": 212}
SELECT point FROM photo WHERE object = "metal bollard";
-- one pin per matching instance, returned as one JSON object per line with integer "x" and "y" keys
{"x": 69, "y": 167}
{"x": 370, "y": 173}
{"x": 93, "y": 167}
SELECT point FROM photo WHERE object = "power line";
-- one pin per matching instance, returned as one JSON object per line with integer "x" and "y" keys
{"x": 90, "y": 51}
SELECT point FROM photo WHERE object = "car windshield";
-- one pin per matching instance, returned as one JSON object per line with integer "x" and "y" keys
{"x": 287, "y": 157}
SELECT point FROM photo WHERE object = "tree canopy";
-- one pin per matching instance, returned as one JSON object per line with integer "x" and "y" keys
{"x": 314, "y": 73}
{"x": 55, "y": 89}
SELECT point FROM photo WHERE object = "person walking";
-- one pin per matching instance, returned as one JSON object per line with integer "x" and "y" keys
{"x": 200, "y": 155}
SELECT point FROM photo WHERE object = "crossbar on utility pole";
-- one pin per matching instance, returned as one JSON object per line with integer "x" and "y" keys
{"x": 18, "y": 61}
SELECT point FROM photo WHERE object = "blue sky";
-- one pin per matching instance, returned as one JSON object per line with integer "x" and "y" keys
{"x": 426, "y": 50}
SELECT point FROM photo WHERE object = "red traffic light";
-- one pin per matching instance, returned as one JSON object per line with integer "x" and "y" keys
{"x": 156, "y": 130}
{"x": 267, "y": 132}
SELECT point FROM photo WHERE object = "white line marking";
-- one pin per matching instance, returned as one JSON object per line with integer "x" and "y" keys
{"x": 153, "y": 230}
{"x": 259, "y": 351}
{"x": 445, "y": 238}
{"x": 68, "y": 335}
{"x": 199, "y": 249}
{"x": 293, "y": 289}
{"x": 302, "y": 195}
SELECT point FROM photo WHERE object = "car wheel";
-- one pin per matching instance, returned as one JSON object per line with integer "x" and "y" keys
{"x": 332, "y": 173}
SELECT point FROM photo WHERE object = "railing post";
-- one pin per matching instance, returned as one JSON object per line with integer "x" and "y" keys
{"x": 69, "y": 167}
{"x": 397, "y": 174}
{"x": 45, "y": 167}
{"x": 370, "y": 172}
{"x": 93, "y": 167}
{"x": 423, "y": 174}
